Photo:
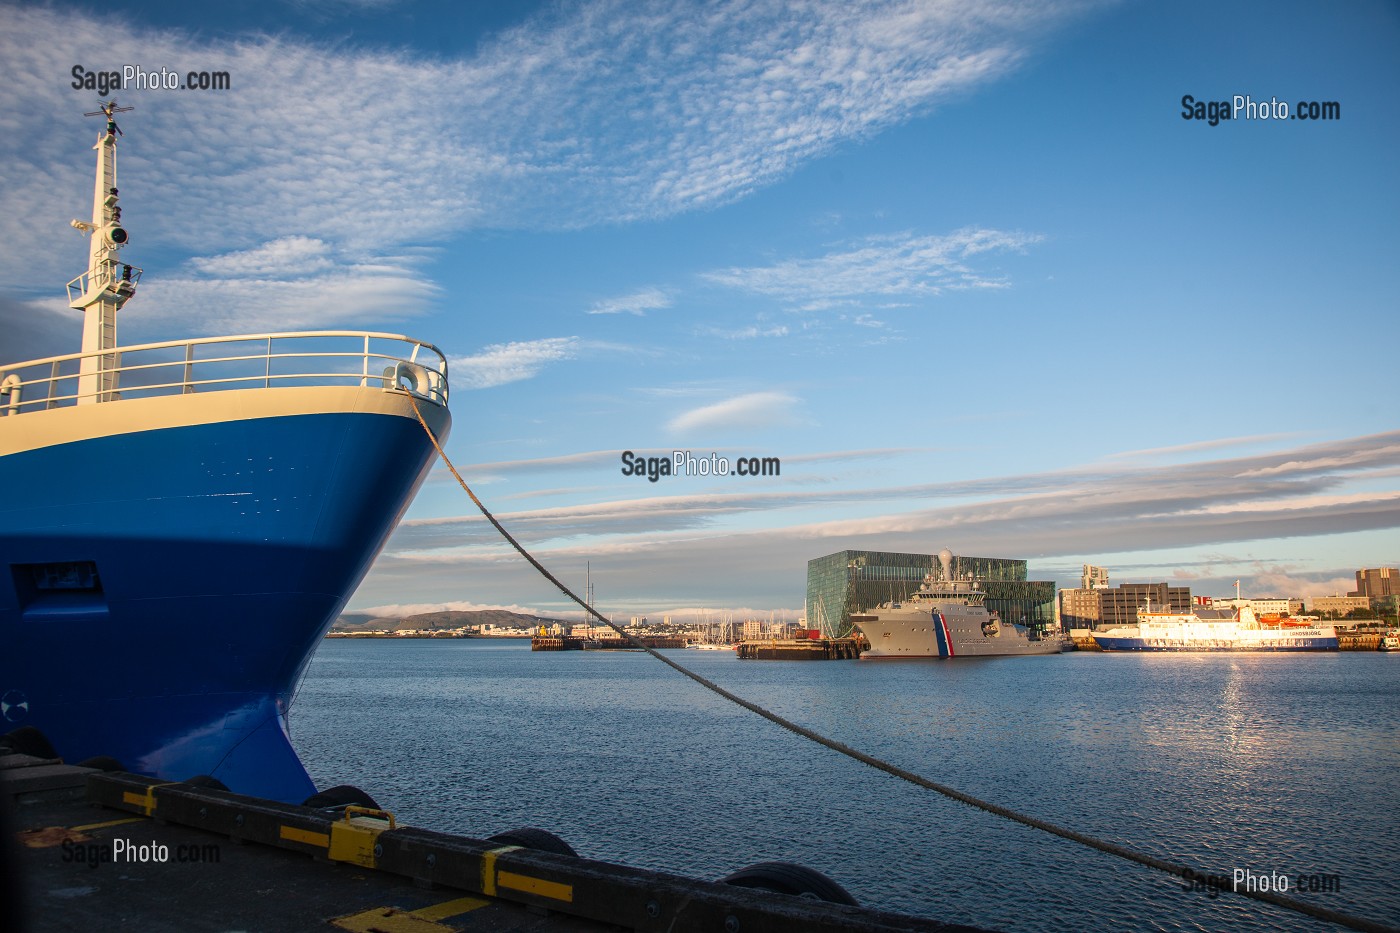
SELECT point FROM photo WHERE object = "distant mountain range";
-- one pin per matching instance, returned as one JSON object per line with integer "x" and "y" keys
{"x": 447, "y": 619}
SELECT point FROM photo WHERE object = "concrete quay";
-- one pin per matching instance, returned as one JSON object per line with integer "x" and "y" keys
{"x": 86, "y": 849}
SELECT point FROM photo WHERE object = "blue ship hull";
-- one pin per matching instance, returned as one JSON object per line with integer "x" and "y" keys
{"x": 162, "y": 590}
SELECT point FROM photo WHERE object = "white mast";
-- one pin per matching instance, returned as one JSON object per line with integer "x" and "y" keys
{"x": 105, "y": 287}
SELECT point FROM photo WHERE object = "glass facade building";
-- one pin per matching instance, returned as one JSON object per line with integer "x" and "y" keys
{"x": 855, "y": 581}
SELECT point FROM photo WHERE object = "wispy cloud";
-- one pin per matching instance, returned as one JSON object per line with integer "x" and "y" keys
{"x": 595, "y": 458}
{"x": 1198, "y": 446}
{"x": 544, "y": 464}
{"x": 403, "y": 610}
{"x": 638, "y": 303}
{"x": 752, "y": 332}
{"x": 290, "y": 283}
{"x": 597, "y": 112}
{"x": 1292, "y": 581}
{"x": 878, "y": 267}
{"x": 288, "y": 257}
{"x": 754, "y": 411}
{"x": 502, "y": 363}
{"x": 1092, "y": 510}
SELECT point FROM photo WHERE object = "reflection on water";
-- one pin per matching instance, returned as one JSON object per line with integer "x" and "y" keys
{"x": 1282, "y": 763}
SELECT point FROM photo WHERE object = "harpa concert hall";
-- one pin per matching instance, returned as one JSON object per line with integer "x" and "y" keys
{"x": 856, "y": 581}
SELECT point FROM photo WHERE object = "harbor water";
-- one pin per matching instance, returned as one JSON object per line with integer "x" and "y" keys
{"x": 1278, "y": 765}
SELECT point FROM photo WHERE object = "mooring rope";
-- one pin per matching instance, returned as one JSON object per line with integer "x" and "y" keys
{"x": 1184, "y": 872}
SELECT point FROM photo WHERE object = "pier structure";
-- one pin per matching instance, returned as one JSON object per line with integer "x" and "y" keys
{"x": 118, "y": 851}
{"x": 801, "y": 649}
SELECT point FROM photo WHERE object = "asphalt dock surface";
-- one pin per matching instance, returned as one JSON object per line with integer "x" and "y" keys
{"x": 82, "y": 849}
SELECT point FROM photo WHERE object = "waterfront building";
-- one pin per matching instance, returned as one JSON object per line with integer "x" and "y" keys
{"x": 1262, "y": 606}
{"x": 1374, "y": 583}
{"x": 1337, "y": 606}
{"x": 855, "y": 581}
{"x": 1110, "y": 608}
{"x": 1080, "y": 608}
{"x": 1120, "y": 605}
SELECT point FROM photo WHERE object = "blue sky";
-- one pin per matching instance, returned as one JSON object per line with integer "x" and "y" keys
{"x": 963, "y": 267}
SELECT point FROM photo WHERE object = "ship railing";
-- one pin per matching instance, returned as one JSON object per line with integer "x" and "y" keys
{"x": 108, "y": 279}
{"x": 210, "y": 364}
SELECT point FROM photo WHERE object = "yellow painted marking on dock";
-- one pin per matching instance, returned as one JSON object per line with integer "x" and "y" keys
{"x": 550, "y": 889}
{"x": 306, "y": 836}
{"x": 146, "y": 800}
{"x": 450, "y": 908}
{"x": 109, "y": 823}
{"x": 488, "y": 869}
{"x": 388, "y": 920}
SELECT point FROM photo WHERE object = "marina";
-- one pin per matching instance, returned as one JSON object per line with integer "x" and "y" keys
{"x": 580, "y": 643}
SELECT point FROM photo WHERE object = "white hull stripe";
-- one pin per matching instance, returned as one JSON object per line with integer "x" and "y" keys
{"x": 48, "y": 428}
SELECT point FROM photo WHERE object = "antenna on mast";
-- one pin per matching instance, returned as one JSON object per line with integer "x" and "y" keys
{"x": 109, "y": 107}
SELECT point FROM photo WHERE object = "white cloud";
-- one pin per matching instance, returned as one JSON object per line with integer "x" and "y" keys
{"x": 597, "y": 112}
{"x": 545, "y": 464}
{"x": 752, "y": 536}
{"x": 638, "y": 303}
{"x": 752, "y": 332}
{"x": 404, "y": 610}
{"x": 756, "y": 410}
{"x": 1268, "y": 580}
{"x": 1197, "y": 446}
{"x": 334, "y": 296}
{"x": 287, "y": 257}
{"x": 501, "y": 363}
{"x": 878, "y": 266}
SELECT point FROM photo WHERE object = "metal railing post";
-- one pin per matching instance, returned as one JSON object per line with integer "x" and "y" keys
{"x": 189, "y": 369}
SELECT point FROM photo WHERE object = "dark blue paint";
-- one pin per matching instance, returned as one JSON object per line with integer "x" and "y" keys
{"x": 224, "y": 552}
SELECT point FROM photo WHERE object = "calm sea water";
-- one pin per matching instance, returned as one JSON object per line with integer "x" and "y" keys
{"x": 1287, "y": 764}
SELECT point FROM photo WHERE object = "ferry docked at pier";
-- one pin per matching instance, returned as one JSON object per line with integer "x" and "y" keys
{"x": 946, "y": 618}
{"x": 182, "y": 521}
{"x": 1214, "y": 630}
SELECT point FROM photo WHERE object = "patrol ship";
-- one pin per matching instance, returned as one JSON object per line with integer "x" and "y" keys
{"x": 182, "y": 521}
{"x": 946, "y": 618}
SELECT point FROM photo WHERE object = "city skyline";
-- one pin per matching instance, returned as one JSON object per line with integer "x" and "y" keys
{"x": 967, "y": 271}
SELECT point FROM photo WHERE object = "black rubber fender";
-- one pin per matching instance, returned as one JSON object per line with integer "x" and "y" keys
{"x": 205, "y": 781}
{"x": 788, "y": 878}
{"x": 529, "y": 837}
{"x": 339, "y": 797}
{"x": 27, "y": 740}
